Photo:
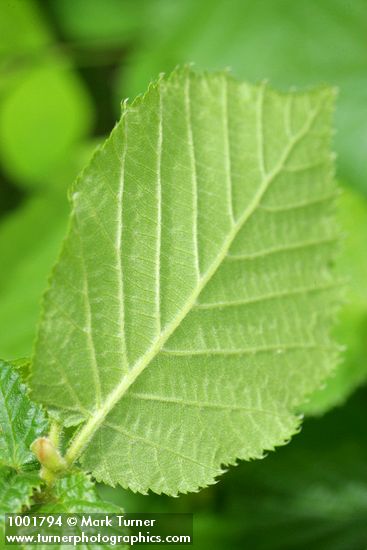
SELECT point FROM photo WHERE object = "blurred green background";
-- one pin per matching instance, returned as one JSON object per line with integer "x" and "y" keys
{"x": 65, "y": 66}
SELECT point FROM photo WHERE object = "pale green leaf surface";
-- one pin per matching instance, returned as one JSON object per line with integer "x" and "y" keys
{"x": 190, "y": 310}
{"x": 21, "y": 421}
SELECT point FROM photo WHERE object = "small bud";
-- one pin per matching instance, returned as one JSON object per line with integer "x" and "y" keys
{"x": 48, "y": 455}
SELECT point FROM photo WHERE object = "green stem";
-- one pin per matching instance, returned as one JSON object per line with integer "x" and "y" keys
{"x": 55, "y": 433}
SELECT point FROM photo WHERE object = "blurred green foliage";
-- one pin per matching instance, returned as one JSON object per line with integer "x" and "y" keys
{"x": 22, "y": 31}
{"x": 351, "y": 330}
{"x": 45, "y": 110}
{"x": 42, "y": 119}
{"x": 65, "y": 66}
{"x": 105, "y": 23}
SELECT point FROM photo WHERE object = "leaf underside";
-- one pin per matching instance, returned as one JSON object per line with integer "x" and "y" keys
{"x": 189, "y": 312}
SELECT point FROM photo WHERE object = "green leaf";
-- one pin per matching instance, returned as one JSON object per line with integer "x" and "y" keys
{"x": 276, "y": 39}
{"x": 21, "y": 421}
{"x": 23, "y": 368}
{"x": 16, "y": 490}
{"x": 190, "y": 310}
{"x": 76, "y": 493}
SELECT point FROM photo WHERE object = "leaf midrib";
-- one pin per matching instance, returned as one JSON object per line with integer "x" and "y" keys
{"x": 92, "y": 425}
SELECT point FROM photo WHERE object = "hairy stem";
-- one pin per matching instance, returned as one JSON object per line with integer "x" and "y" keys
{"x": 55, "y": 433}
